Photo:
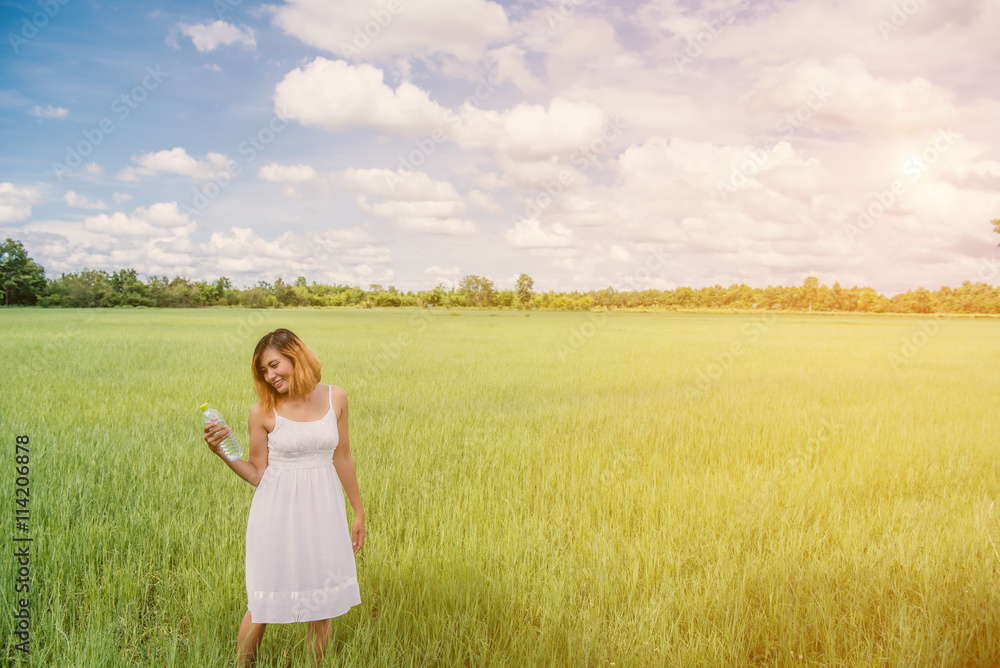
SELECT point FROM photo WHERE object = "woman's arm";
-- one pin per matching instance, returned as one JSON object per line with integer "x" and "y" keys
{"x": 253, "y": 468}
{"x": 344, "y": 464}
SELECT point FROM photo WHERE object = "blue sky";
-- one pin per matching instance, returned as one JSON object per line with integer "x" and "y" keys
{"x": 412, "y": 142}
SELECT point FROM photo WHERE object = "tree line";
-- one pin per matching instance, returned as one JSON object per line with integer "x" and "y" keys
{"x": 23, "y": 282}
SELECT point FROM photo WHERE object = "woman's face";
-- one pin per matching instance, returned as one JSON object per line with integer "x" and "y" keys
{"x": 276, "y": 369}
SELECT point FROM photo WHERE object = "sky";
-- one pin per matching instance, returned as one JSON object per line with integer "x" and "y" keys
{"x": 635, "y": 144}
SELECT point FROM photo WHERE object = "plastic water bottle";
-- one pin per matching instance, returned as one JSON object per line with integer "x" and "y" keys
{"x": 230, "y": 446}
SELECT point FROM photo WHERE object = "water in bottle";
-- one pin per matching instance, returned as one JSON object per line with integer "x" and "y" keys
{"x": 230, "y": 446}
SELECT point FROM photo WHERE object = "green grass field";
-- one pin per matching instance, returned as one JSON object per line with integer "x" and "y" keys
{"x": 562, "y": 489}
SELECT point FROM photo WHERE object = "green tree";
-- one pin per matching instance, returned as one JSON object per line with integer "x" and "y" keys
{"x": 21, "y": 279}
{"x": 478, "y": 290}
{"x": 286, "y": 294}
{"x": 128, "y": 290}
{"x": 810, "y": 289}
{"x": 507, "y": 299}
{"x": 524, "y": 289}
{"x": 684, "y": 297}
{"x": 867, "y": 300}
{"x": 837, "y": 297}
{"x": 224, "y": 291}
{"x": 436, "y": 296}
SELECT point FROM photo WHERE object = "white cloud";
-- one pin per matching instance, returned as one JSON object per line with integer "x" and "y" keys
{"x": 243, "y": 243}
{"x": 451, "y": 29}
{"x": 121, "y": 198}
{"x": 396, "y": 185}
{"x": 675, "y": 173}
{"x": 484, "y": 201}
{"x": 119, "y": 224}
{"x": 657, "y": 112}
{"x": 418, "y": 203}
{"x": 276, "y": 173}
{"x": 529, "y": 234}
{"x": 50, "y": 112}
{"x": 619, "y": 254}
{"x": 80, "y": 202}
{"x": 443, "y": 226}
{"x": 94, "y": 169}
{"x": 446, "y": 276}
{"x": 846, "y": 94}
{"x": 429, "y": 209}
{"x": 163, "y": 214}
{"x": 16, "y": 201}
{"x": 537, "y": 174}
{"x": 586, "y": 46}
{"x": 414, "y": 200}
{"x": 335, "y": 255}
{"x": 443, "y": 271}
{"x": 510, "y": 66}
{"x": 209, "y": 36}
{"x": 67, "y": 246}
{"x": 161, "y": 220}
{"x": 174, "y": 161}
{"x": 934, "y": 40}
{"x": 530, "y": 131}
{"x": 336, "y": 95}
{"x": 156, "y": 240}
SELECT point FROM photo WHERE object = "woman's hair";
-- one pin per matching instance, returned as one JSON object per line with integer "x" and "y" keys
{"x": 305, "y": 376}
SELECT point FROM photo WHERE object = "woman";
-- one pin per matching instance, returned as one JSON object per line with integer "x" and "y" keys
{"x": 299, "y": 552}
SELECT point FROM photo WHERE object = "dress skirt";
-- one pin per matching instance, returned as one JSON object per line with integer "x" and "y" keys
{"x": 299, "y": 559}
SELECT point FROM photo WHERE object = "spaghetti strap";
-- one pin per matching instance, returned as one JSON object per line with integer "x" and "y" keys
{"x": 331, "y": 396}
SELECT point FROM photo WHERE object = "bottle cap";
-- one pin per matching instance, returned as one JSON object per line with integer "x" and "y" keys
{"x": 203, "y": 407}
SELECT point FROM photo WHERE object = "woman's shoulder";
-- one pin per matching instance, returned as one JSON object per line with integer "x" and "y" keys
{"x": 338, "y": 397}
{"x": 259, "y": 418}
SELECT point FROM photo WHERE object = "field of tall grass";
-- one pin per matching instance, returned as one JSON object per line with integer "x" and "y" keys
{"x": 543, "y": 489}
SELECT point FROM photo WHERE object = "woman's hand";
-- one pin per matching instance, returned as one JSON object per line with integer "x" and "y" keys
{"x": 358, "y": 533}
{"x": 214, "y": 435}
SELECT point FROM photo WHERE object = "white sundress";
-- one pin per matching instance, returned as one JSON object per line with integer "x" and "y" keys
{"x": 299, "y": 559}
